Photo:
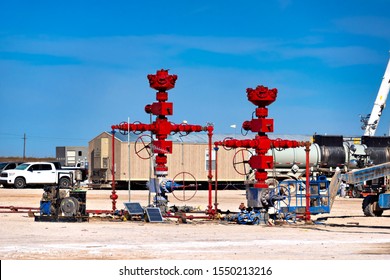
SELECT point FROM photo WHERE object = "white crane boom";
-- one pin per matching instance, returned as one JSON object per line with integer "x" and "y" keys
{"x": 379, "y": 104}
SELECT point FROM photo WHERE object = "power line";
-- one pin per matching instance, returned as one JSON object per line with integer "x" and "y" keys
{"x": 45, "y": 137}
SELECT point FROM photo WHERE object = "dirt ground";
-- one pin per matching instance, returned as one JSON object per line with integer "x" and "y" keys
{"x": 346, "y": 234}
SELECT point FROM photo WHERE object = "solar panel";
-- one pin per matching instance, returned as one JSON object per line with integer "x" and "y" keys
{"x": 154, "y": 214}
{"x": 134, "y": 208}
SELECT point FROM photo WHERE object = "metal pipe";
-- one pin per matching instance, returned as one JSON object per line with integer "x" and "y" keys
{"x": 210, "y": 165}
{"x": 191, "y": 217}
{"x": 98, "y": 212}
{"x": 17, "y": 209}
{"x": 128, "y": 160}
{"x": 151, "y": 164}
{"x": 113, "y": 195}
{"x": 216, "y": 179}
{"x": 307, "y": 209}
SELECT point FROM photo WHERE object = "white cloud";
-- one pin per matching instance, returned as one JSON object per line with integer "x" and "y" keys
{"x": 131, "y": 51}
{"x": 366, "y": 25}
{"x": 336, "y": 56}
{"x": 128, "y": 46}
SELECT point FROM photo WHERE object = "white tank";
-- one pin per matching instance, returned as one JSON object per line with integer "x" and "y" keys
{"x": 288, "y": 157}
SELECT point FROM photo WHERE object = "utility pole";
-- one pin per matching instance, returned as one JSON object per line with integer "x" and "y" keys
{"x": 24, "y": 146}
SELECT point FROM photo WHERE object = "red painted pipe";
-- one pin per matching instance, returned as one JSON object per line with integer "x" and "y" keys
{"x": 216, "y": 180}
{"x": 191, "y": 217}
{"x": 210, "y": 167}
{"x": 307, "y": 209}
{"x": 113, "y": 195}
{"x": 98, "y": 212}
{"x": 17, "y": 209}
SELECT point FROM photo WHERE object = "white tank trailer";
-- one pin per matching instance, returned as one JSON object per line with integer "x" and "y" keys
{"x": 329, "y": 153}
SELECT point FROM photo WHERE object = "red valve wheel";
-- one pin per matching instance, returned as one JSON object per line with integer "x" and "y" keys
{"x": 135, "y": 132}
{"x": 123, "y": 132}
{"x": 241, "y": 161}
{"x": 224, "y": 140}
{"x": 184, "y": 133}
{"x": 244, "y": 132}
{"x": 143, "y": 146}
{"x": 187, "y": 192}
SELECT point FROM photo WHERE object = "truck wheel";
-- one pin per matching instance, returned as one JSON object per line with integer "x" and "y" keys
{"x": 20, "y": 183}
{"x": 378, "y": 213}
{"x": 370, "y": 206}
{"x": 64, "y": 183}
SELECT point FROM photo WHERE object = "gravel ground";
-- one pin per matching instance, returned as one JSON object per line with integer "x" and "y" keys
{"x": 343, "y": 234}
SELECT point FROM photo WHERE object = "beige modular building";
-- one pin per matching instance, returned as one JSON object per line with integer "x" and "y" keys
{"x": 189, "y": 158}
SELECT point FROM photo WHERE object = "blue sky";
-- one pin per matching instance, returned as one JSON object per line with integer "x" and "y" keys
{"x": 71, "y": 69}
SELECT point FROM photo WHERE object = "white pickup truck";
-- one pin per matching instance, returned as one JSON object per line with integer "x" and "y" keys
{"x": 37, "y": 173}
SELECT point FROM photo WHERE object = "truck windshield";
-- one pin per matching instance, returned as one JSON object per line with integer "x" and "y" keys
{"x": 22, "y": 166}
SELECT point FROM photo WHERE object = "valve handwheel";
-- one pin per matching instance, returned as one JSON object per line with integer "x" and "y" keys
{"x": 244, "y": 132}
{"x": 224, "y": 140}
{"x": 241, "y": 161}
{"x": 123, "y": 132}
{"x": 184, "y": 133}
{"x": 184, "y": 192}
{"x": 143, "y": 146}
{"x": 135, "y": 132}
